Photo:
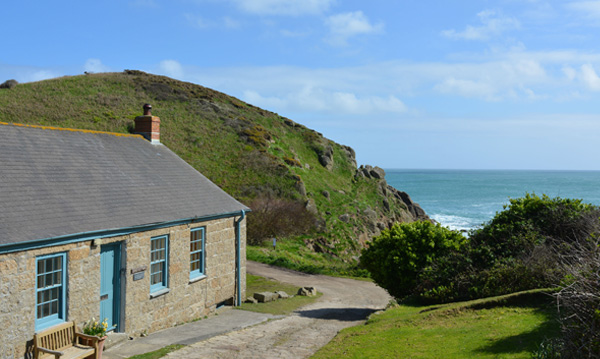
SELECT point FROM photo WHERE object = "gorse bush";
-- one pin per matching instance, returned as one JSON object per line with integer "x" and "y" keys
{"x": 397, "y": 257}
{"x": 275, "y": 217}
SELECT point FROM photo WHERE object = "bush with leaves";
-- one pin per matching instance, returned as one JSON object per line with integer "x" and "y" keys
{"x": 397, "y": 256}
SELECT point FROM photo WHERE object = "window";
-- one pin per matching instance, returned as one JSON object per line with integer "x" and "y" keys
{"x": 159, "y": 249}
{"x": 50, "y": 290}
{"x": 197, "y": 253}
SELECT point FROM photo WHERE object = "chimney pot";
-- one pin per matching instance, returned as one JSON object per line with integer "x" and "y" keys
{"x": 147, "y": 110}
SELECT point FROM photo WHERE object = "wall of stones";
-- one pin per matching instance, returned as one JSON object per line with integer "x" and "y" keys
{"x": 186, "y": 300}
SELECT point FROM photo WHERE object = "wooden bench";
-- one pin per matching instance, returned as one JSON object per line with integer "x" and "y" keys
{"x": 64, "y": 342}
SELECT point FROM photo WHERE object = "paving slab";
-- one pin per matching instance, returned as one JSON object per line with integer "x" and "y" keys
{"x": 225, "y": 321}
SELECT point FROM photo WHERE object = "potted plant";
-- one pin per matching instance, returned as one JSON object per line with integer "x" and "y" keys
{"x": 98, "y": 329}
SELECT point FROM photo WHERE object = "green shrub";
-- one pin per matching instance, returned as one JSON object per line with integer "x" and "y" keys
{"x": 397, "y": 257}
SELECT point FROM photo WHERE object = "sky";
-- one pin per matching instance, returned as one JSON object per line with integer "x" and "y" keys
{"x": 470, "y": 84}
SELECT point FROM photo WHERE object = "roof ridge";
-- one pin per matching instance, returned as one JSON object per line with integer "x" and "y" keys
{"x": 70, "y": 129}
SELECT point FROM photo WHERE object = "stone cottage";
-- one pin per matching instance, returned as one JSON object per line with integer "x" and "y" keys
{"x": 115, "y": 226}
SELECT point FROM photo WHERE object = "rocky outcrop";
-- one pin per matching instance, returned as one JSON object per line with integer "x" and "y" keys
{"x": 391, "y": 194}
{"x": 370, "y": 172}
{"x": 350, "y": 154}
{"x": 326, "y": 157}
{"x": 413, "y": 207}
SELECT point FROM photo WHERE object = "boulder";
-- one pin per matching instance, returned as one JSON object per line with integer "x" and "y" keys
{"x": 311, "y": 206}
{"x": 386, "y": 204}
{"x": 281, "y": 294}
{"x": 377, "y": 173}
{"x": 251, "y": 300}
{"x": 345, "y": 218}
{"x": 9, "y": 84}
{"x": 300, "y": 187}
{"x": 350, "y": 154}
{"x": 307, "y": 291}
{"x": 264, "y": 297}
{"x": 370, "y": 213}
{"x": 326, "y": 157}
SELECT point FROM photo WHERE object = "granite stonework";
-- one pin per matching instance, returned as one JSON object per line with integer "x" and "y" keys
{"x": 186, "y": 299}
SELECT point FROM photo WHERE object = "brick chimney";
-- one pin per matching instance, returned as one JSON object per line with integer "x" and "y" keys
{"x": 148, "y": 125}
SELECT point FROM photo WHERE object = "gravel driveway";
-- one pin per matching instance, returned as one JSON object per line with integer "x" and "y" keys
{"x": 345, "y": 303}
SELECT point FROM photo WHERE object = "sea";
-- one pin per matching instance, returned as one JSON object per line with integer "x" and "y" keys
{"x": 466, "y": 199}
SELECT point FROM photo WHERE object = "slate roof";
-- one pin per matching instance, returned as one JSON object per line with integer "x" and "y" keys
{"x": 58, "y": 182}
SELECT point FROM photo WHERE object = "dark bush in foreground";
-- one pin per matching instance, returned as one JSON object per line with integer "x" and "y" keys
{"x": 274, "y": 217}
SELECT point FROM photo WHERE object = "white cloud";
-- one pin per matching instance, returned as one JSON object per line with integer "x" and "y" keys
{"x": 493, "y": 24}
{"x": 231, "y": 23}
{"x": 569, "y": 72}
{"x": 171, "y": 68}
{"x": 310, "y": 99}
{"x": 467, "y": 88}
{"x": 590, "y": 77}
{"x": 590, "y": 9}
{"x": 346, "y": 25}
{"x": 95, "y": 65}
{"x": 197, "y": 21}
{"x": 284, "y": 7}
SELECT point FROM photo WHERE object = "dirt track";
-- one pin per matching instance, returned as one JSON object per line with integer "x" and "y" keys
{"x": 345, "y": 302}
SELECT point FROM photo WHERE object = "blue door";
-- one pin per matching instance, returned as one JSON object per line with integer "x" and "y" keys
{"x": 110, "y": 284}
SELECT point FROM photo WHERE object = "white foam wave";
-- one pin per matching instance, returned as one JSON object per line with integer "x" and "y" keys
{"x": 456, "y": 223}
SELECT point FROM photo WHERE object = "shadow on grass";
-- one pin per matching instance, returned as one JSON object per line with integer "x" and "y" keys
{"x": 341, "y": 314}
{"x": 527, "y": 341}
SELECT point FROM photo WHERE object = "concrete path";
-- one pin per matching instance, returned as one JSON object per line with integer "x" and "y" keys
{"x": 345, "y": 303}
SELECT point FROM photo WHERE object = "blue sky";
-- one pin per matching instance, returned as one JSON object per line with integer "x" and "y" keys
{"x": 506, "y": 84}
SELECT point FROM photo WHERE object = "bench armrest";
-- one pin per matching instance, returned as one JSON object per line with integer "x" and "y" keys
{"x": 56, "y": 354}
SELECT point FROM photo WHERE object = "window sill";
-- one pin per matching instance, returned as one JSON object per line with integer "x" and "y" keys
{"x": 159, "y": 293}
{"x": 197, "y": 279}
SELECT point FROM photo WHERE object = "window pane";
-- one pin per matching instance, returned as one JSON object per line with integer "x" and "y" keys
{"x": 54, "y": 307}
{"x": 154, "y": 268}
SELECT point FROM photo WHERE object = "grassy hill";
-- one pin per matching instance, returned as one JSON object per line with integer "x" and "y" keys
{"x": 249, "y": 152}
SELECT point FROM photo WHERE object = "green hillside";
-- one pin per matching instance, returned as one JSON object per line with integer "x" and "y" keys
{"x": 251, "y": 153}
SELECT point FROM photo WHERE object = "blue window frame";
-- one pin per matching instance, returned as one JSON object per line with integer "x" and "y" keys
{"x": 159, "y": 263}
{"x": 51, "y": 279}
{"x": 197, "y": 256}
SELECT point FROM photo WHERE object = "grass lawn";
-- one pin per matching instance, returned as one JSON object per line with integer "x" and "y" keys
{"x": 256, "y": 284}
{"x": 503, "y": 327}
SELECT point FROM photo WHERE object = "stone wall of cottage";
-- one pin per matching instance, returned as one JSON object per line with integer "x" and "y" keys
{"x": 186, "y": 300}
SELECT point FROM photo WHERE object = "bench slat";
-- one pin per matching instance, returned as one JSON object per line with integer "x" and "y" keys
{"x": 61, "y": 338}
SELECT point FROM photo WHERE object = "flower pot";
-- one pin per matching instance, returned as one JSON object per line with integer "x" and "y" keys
{"x": 101, "y": 346}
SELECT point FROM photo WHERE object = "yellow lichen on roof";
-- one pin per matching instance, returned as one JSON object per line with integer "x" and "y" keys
{"x": 71, "y": 129}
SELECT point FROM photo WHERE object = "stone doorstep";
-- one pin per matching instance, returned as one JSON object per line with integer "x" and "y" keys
{"x": 113, "y": 339}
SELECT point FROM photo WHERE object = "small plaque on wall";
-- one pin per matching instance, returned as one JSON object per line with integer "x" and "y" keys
{"x": 138, "y": 275}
